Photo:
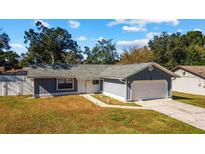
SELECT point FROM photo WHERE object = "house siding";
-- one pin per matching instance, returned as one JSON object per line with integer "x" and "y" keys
{"x": 188, "y": 83}
{"x": 155, "y": 74}
{"x": 48, "y": 86}
{"x": 114, "y": 87}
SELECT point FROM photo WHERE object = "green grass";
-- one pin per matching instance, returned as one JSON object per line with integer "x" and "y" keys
{"x": 75, "y": 114}
{"x": 196, "y": 100}
{"x": 112, "y": 101}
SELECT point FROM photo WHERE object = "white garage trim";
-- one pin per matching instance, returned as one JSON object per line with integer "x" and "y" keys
{"x": 149, "y": 89}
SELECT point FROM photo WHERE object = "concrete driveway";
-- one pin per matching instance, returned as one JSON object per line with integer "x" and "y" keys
{"x": 186, "y": 113}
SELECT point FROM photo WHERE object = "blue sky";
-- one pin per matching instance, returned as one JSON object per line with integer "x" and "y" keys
{"x": 86, "y": 32}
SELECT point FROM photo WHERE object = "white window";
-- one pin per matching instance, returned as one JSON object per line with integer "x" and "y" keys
{"x": 65, "y": 83}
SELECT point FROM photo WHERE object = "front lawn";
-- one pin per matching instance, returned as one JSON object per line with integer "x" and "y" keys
{"x": 189, "y": 99}
{"x": 75, "y": 114}
{"x": 112, "y": 101}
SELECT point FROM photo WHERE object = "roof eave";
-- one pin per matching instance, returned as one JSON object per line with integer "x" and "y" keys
{"x": 179, "y": 67}
{"x": 166, "y": 70}
{"x": 111, "y": 77}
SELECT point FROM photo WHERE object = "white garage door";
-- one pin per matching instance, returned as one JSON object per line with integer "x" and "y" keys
{"x": 150, "y": 89}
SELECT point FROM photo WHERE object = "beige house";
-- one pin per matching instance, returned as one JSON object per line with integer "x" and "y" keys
{"x": 191, "y": 80}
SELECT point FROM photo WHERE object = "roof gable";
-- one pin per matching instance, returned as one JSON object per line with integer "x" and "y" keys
{"x": 196, "y": 70}
{"x": 124, "y": 71}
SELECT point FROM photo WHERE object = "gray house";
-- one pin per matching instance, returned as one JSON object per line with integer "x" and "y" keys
{"x": 125, "y": 82}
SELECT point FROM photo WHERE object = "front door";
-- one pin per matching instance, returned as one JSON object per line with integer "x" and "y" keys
{"x": 81, "y": 86}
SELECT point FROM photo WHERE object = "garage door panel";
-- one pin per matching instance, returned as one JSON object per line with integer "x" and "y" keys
{"x": 142, "y": 90}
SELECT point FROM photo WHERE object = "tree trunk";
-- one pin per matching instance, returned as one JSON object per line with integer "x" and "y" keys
{"x": 52, "y": 58}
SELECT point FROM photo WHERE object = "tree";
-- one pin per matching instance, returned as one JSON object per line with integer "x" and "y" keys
{"x": 176, "y": 49}
{"x": 4, "y": 42}
{"x": 169, "y": 49}
{"x": 195, "y": 38}
{"x": 104, "y": 52}
{"x": 4, "y": 45}
{"x": 51, "y": 45}
{"x": 195, "y": 55}
{"x": 136, "y": 55}
{"x": 24, "y": 60}
{"x": 11, "y": 59}
{"x": 89, "y": 56}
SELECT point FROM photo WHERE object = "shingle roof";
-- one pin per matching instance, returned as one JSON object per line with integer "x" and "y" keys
{"x": 89, "y": 71}
{"x": 16, "y": 72}
{"x": 12, "y": 71}
{"x": 80, "y": 71}
{"x": 197, "y": 70}
{"x": 122, "y": 71}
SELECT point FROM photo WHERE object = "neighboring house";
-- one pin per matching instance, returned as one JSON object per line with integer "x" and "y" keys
{"x": 2, "y": 70}
{"x": 124, "y": 82}
{"x": 192, "y": 79}
{"x": 15, "y": 82}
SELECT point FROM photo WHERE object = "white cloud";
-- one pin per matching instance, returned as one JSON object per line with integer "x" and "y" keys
{"x": 74, "y": 24}
{"x": 116, "y": 22}
{"x": 150, "y": 35}
{"x": 82, "y": 38}
{"x": 136, "y": 25}
{"x": 173, "y": 22}
{"x": 134, "y": 43}
{"x": 144, "y": 22}
{"x": 45, "y": 24}
{"x": 100, "y": 38}
{"x": 138, "y": 42}
{"x": 133, "y": 28}
{"x": 179, "y": 30}
{"x": 17, "y": 45}
{"x": 197, "y": 29}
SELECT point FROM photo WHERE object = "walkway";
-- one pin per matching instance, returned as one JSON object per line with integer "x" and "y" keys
{"x": 101, "y": 104}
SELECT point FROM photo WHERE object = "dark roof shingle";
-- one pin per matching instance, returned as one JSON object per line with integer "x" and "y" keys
{"x": 122, "y": 71}
{"x": 89, "y": 71}
{"x": 79, "y": 70}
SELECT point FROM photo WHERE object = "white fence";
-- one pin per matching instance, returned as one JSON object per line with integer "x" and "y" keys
{"x": 16, "y": 88}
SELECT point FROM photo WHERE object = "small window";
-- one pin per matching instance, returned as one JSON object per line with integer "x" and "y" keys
{"x": 64, "y": 83}
{"x": 95, "y": 81}
{"x": 184, "y": 73}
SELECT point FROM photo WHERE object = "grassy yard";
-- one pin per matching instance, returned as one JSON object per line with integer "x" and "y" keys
{"x": 112, "y": 101}
{"x": 189, "y": 99}
{"x": 75, "y": 114}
